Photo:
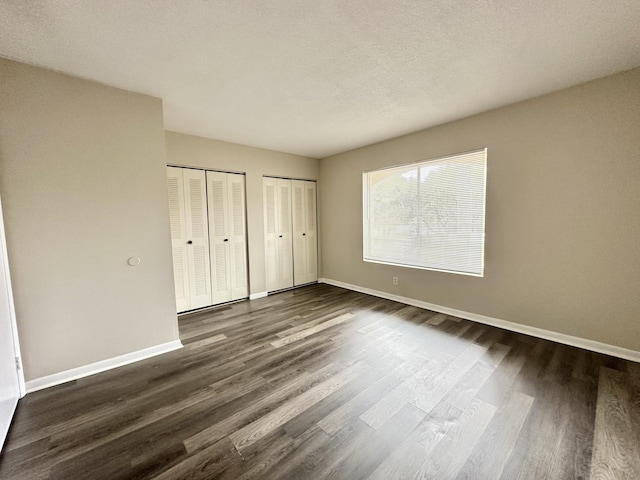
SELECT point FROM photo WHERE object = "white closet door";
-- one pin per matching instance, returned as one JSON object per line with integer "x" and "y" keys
{"x": 299, "y": 229}
{"x": 285, "y": 234}
{"x": 197, "y": 237}
{"x": 227, "y": 233}
{"x": 305, "y": 250}
{"x": 219, "y": 236}
{"x": 270, "y": 200}
{"x": 278, "y": 233}
{"x": 237, "y": 236}
{"x": 311, "y": 232}
{"x": 175, "y": 185}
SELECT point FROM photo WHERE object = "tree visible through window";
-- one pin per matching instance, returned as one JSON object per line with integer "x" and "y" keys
{"x": 428, "y": 214}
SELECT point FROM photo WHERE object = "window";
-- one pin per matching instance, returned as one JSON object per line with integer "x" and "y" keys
{"x": 428, "y": 214}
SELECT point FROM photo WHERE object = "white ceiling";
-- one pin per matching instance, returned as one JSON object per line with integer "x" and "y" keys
{"x": 319, "y": 77}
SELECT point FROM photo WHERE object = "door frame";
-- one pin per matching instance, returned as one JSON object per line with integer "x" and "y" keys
{"x": 12, "y": 311}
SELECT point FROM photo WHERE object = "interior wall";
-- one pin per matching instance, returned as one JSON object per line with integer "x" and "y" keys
{"x": 192, "y": 151}
{"x": 83, "y": 181}
{"x": 562, "y": 214}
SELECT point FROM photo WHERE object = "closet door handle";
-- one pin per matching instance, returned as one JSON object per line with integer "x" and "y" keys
{"x": 303, "y": 234}
{"x": 280, "y": 236}
{"x": 226, "y": 239}
{"x": 189, "y": 242}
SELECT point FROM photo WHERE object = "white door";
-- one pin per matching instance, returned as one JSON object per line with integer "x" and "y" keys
{"x": 175, "y": 185}
{"x": 219, "y": 236}
{"x": 11, "y": 382}
{"x": 305, "y": 247}
{"x": 237, "y": 236}
{"x": 278, "y": 233}
{"x": 227, "y": 233}
{"x": 189, "y": 237}
{"x": 195, "y": 188}
{"x": 270, "y": 188}
{"x": 299, "y": 229}
{"x": 285, "y": 236}
{"x": 311, "y": 213}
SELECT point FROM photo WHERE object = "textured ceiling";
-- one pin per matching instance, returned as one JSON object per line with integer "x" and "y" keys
{"x": 321, "y": 77}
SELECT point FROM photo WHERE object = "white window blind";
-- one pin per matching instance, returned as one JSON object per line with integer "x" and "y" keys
{"x": 428, "y": 214}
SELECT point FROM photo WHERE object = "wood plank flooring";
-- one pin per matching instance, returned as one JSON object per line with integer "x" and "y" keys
{"x": 321, "y": 382}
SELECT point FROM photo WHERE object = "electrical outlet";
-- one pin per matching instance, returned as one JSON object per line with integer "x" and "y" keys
{"x": 395, "y": 280}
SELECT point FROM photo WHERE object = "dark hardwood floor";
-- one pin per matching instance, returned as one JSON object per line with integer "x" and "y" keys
{"x": 321, "y": 382}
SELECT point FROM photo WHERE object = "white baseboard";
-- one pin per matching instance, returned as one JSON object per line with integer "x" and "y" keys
{"x": 255, "y": 296}
{"x": 592, "y": 345}
{"x": 101, "y": 366}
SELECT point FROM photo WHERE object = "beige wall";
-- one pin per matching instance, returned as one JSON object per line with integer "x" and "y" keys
{"x": 190, "y": 151}
{"x": 83, "y": 182}
{"x": 84, "y": 187}
{"x": 563, "y": 213}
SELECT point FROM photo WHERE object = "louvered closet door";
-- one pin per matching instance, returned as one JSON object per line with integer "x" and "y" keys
{"x": 270, "y": 191}
{"x": 228, "y": 236}
{"x": 311, "y": 211}
{"x": 219, "y": 236}
{"x": 197, "y": 238}
{"x": 237, "y": 236}
{"x": 299, "y": 229}
{"x": 285, "y": 235}
{"x": 175, "y": 184}
{"x": 278, "y": 233}
{"x": 305, "y": 250}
